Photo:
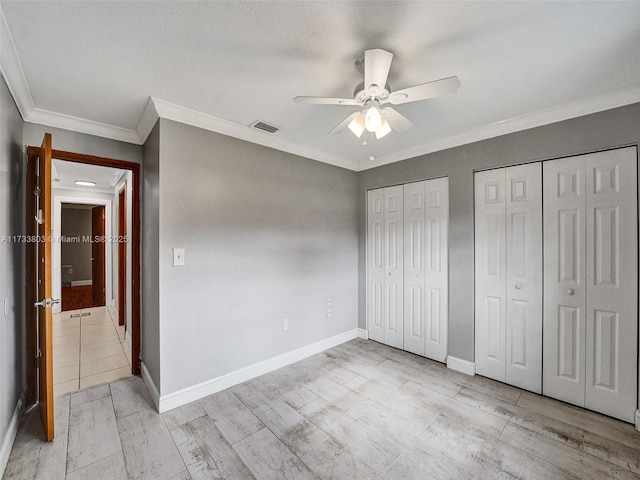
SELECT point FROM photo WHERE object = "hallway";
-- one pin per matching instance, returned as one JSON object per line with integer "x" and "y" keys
{"x": 89, "y": 348}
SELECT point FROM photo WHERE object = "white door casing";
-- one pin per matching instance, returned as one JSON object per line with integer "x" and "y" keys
{"x": 375, "y": 265}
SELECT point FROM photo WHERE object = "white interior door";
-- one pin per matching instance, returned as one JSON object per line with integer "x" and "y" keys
{"x": 415, "y": 336}
{"x": 437, "y": 268}
{"x": 523, "y": 321}
{"x": 394, "y": 265}
{"x": 375, "y": 265}
{"x": 490, "y": 273}
{"x": 426, "y": 302}
{"x": 612, "y": 283}
{"x": 564, "y": 279}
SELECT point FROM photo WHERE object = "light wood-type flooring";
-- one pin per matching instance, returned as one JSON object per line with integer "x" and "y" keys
{"x": 357, "y": 411}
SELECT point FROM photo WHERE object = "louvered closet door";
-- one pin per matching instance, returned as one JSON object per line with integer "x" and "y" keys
{"x": 509, "y": 275}
{"x": 426, "y": 213}
{"x": 490, "y": 273}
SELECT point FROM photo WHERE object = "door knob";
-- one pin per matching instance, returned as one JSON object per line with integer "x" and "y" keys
{"x": 518, "y": 286}
{"x": 570, "y": 291}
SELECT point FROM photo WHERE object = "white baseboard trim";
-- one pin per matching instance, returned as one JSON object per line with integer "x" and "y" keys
{"x": 151, "y": 386}
{"x": 201, "y": 390}
{"x": 363, "y": 333}
{"x": 460, "y": 365}
{"x": 9, "y": 438}
{"x": 127, "y": 339}
{"x": 638, "y": 420}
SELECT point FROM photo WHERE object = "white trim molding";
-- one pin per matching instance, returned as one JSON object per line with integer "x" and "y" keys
{"x": 460, "y": 365}
{"x": 151, "y": 386}
{"x": 190, "y": 394}
{"x": 10, "y": 436}
{"x": 638, "y": 420}
{"x": 363, "y": 333}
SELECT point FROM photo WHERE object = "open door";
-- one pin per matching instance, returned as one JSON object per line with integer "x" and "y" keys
{"x": 97, "y": 256}
{"x": 122, "y": 256}
{"x": 39, "y": 282}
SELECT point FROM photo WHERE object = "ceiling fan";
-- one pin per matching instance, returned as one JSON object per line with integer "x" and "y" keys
{"x": 374, "y": 92}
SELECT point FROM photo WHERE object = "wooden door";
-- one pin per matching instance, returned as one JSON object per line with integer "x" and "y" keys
{"x": 564, "y": 279}
{"x": 490, "y": 273}
{"x": 415, "y": 336}
{"x": 98, "y": 256}
{"x": 393, "y": 266}
{"x": 611, "y": 320}
{"x": 436, "y": 268}
{"x": 39, "y": 283}
{"x": 523, "y": 334}
{"x": 122, "y": 256}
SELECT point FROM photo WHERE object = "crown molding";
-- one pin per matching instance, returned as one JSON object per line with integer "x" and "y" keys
{"x": 618, "y": 98}
{"x": 188, "y": 116}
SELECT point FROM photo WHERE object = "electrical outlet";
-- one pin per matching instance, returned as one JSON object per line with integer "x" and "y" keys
{"x": 285, "y": 324}
{"x": 329, "y": 313}
{"x": 178, "y": 257}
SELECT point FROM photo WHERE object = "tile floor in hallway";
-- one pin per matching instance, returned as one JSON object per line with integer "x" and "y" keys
{"x": 358, "y": 411}
{"x": 89, "y": 348}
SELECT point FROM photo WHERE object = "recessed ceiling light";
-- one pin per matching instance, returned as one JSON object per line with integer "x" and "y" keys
{"x": 85, "y": 183}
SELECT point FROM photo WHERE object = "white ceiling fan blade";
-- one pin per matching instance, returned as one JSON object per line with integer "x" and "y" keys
{"x": 398, "y": 122}
{"x": 377, "y": 63}
{"x": 344, "y": 125}
{"x": 424, "y": 91}
{"x": 325, "y": 101}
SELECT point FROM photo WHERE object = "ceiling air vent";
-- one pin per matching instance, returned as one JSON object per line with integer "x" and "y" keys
{"x": 265, "y": 127}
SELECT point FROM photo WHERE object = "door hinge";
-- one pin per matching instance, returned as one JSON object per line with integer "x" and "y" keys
{"x": 39, "y": 358}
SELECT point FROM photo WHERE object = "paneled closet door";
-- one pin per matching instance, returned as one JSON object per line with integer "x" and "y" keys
{"x": 426, "y": 214}
{"x": 375, "y": 265}
{"x": 393, "y": 266}
{"x": 415, "y": 336}
{"x": 564, "y": 279}
{"x": 612, "y": 283}
{"x": 437, "y": 267}
{"x": 509, "y": 275}
{"x": 590, "y": 293}
{"x": 490, "y": 273}
{"x": 524, "y": 276}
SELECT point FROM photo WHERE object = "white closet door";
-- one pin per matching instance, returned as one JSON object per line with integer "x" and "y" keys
{"x": 437, "y": 267}
{"x": 375, "y": 265}
{"x": 524, "y": 276}
{"x": 490, "y": 276}
{"x": 393, "y": 286}
{"x": 564, "y": 279}
{"x": 612, "y": 259}
{"x": 415, "y": 336}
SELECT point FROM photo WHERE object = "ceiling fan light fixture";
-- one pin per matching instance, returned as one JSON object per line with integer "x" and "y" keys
{"x": 357, "y": 126}
{"x": 372, "y": 117}
{"x": 383, "y": 130}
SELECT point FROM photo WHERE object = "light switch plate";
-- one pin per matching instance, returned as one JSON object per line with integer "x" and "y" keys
{"x": 178, "y": 257}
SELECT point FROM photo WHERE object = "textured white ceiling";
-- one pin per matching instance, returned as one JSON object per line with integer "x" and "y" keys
{"x": 244, "y": 61}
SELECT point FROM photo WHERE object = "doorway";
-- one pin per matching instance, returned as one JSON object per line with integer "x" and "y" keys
{"x": 108, "y": 311}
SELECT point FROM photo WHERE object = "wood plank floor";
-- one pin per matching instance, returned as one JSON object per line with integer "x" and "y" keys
{"x": 358, "y": 411}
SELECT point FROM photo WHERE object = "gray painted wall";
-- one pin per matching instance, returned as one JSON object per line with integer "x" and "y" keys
{"x": 268, "y": 236}
{"x": 150, "y": 319}
{"x": 12, "y": 374}
{"x": 82, "y": 143}
{"x": 612, "y": 128}
{"x": 76, "y": 222}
